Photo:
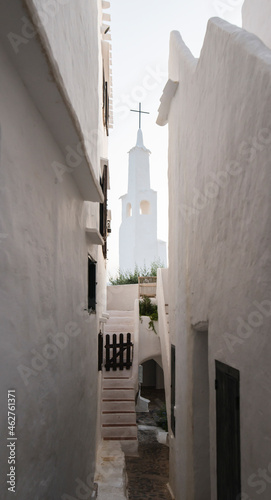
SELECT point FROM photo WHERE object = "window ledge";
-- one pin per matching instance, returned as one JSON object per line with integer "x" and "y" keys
{"x": 94, "y": 236}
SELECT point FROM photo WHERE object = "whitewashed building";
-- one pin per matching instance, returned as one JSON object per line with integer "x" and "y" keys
{"x": 218, "y": 112}
{"x": 256, "y": 19}
{"x": 138, "y": 243}
{"x": 54, "y": 116}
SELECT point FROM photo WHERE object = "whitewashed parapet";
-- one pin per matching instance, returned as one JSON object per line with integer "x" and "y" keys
{"x": 181, "y": 58}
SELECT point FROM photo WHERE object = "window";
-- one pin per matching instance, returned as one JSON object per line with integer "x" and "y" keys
{"x": 91, "y": 285}
{"x": 105, "y": 104}
{"x": 128, "y": 210}
{"x": 145, "y": 207}
{"x": 103, "y": 210}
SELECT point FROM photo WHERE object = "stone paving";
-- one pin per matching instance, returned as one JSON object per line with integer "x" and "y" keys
{"x": 148, "y": 473}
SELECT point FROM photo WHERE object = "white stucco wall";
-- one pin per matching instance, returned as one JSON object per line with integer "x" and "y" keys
{"x": 43, "y": 294}
{"x": 219, "y": 185}
{"x": 149, "y": 341}
{"x": 256, "y": 19}
{"x": 162, "y": 252}
{"x": 121, "y": 297}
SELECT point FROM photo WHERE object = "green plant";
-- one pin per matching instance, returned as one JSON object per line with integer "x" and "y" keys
{"x": 154, "y": 266}
{"x": 147, "y": 308}
{"x": 131, "y": 277}
{"x": 125, "y": 277}
{"x": 153, "y": 317}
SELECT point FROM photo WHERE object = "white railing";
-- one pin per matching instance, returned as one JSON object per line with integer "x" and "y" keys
{"x": 147, "y": 286}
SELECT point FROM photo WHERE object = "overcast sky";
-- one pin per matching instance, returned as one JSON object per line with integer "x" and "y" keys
{"x": 140, "y": 43}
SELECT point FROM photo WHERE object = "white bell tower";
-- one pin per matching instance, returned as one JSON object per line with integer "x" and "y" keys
{"x": 138, "y": 244}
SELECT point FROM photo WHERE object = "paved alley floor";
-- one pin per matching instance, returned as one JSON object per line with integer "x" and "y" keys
{"x": 148, "y": 473}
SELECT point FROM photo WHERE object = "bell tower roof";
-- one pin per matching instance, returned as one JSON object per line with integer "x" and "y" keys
{"x": 140, "y": 143}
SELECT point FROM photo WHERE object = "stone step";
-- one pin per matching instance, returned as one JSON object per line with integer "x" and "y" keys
{"x": 128, "y": 445}
{"x": 110, "y": 471}
{"x": 118, "y": 406}
{"x": 120, "y": 314}
{"x": 117, "y": 383}
{"x": 119, "y": 393}
{"x": 114, "y": 493}
{"x": 125, "y": 320}
{"x": 130, "y": 448}
{"x": 118, "y": 328}
{"x": 111, "y": 329}
{"x": 118, "y": 334}
{"x": 119, "y": 431}
{"x": 117, "y": 374}
{"x": 119, "y": 418}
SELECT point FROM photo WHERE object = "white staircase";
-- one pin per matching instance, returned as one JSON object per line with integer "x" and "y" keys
{"x": 118, "y": 417}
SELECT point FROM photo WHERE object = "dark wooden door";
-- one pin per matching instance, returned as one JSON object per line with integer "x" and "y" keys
{"x": 228, "y": 432}
{"x": 173, "y": 396}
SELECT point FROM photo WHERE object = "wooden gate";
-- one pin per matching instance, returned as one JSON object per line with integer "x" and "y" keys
{"x": 119, "y": 353}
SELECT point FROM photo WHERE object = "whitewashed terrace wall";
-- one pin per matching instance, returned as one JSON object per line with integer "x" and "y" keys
{"x": 149, "y": 341}
{"x": 121, "y": 297}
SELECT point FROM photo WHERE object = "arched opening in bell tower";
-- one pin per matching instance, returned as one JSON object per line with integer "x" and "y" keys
{"x": 145, "y": 207}
{"x": 128, "y": 210}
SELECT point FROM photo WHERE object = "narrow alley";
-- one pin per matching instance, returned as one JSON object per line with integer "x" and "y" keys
{"x": 135, "y": 256}
{"x": 148, "y": 473}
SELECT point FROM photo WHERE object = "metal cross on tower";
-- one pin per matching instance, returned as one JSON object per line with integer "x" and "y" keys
{"x": 140, "y": 113}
